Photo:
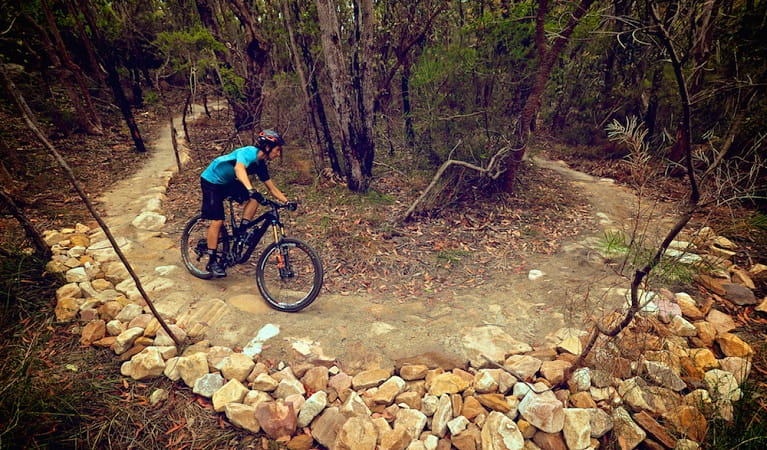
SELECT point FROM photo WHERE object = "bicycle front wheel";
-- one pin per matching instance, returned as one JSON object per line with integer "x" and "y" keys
{"x": 194, "y": 246}
{"x": 289, "y": 275}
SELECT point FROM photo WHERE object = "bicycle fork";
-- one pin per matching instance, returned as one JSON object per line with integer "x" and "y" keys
{"x": 281, "y": 257}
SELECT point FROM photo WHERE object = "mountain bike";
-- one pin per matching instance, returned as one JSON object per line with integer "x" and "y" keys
{"x": 288, "y": 272}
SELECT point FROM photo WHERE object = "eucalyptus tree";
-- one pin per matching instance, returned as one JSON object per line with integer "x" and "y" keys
{"x": 107, "y": 56}
{"x": 303, "y": 33}
{"x": 548, "y": 54}
{"x": 57, "y": 57}
{"x": 243, "y": 28}
{"x": 361, "y": 68}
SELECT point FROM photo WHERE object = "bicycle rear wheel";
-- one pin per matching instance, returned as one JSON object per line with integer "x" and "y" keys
{"x": 289, "y": 275}
{"x": 194, "y": 246}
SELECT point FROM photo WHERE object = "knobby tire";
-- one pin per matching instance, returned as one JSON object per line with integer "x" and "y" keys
{"x": 294, "y": 291}
{"x": 192, "y": 240}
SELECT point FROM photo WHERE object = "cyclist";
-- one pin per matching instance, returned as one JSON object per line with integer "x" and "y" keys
{"x": 227, "y": 176}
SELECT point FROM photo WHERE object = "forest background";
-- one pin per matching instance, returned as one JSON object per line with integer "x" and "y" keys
{"x": 365, "y": 88}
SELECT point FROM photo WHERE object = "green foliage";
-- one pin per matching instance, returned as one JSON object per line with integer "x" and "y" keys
{"x": 151, "y": 98}
{"x": 468, "y": 87}
{"x": 452, "y": 256}
{"x": 748, "y": 429}
{"x": 374, "y": 197}
{"x": 189, "y": 48}
{"x": 233, "y": 84}
{"x": 616, "y": 245}
{"x": 759, "y": 221}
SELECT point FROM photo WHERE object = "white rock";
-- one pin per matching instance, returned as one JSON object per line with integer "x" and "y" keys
{"x": 577, "y": 428}
{"x": 492, "y": 342}
{"x": 442, "y": 414}
{"x": 237, "y": 366}
{"x": 312, "y": 407}
{"x": 208, "y": 384}
{"x": 457, "y": 425}
{"x": 242, "y": 416}
{"x": 499, "y": 432}
{"x": 722, "y": 385}
{"x": 126, "y": 339}
{"x": 413, "y": 421}
{"x": 149, "y": 221}
{"x": 544, "y": 411}
{"x": 231, "y": 392}
{"x": 534, "y": 274}
{"x": 147, "y": 364}
{"x": 76, "y": 275}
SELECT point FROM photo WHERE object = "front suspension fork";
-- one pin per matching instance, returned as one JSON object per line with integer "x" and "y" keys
{"x": 283, "y": 262}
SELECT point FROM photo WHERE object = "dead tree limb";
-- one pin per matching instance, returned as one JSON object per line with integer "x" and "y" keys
{"x": 29, "y": 119}
{"x": 492, "y": 171}
{"x": 174, "y": 141}
{"x": 41, "y": 247}
{"x": 693, "y": 201}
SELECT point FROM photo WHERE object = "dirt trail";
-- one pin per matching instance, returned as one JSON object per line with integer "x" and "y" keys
{"x": 357, "y": 330}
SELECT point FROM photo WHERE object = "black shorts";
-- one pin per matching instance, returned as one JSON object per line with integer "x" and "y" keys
{"x": 213, "y": 196}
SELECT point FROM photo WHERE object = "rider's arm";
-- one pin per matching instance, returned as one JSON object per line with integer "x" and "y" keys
{"x": 275, "y": 191}
{"x": 241, "y": 172}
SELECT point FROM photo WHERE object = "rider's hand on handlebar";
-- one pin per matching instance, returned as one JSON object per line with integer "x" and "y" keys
{"x": 254, "y": 194}
{"x": 292, "y": 206}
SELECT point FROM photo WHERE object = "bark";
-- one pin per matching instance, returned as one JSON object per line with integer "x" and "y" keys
{"x": 547, "y": 59}
{"x": 174, "y": 142}
{"x": 74, "y": 74}
{"x": 96, "y": 70}
{"x": 315, "y": 109}
{"x": 406, "y": 111}
{"x": 63, "y": 72}
{"x": 351, "y": 89}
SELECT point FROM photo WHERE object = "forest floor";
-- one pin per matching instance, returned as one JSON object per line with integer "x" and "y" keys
{"x": 474, "y": 252}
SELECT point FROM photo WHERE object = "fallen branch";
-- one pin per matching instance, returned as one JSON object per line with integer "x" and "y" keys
{"x": 492, "y": 171}
{"x": 28, "y": 118}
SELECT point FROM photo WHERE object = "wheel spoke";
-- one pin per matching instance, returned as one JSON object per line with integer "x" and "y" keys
{"x": 290, "y": 275}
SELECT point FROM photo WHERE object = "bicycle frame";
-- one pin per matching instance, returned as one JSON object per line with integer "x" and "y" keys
{"x": 251, "y": 236}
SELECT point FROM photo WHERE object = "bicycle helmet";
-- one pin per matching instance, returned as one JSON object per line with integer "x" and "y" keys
{"x": 268, "y": 139}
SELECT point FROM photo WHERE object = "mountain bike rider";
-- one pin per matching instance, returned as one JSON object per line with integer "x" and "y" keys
{"x": 227, "y": 176}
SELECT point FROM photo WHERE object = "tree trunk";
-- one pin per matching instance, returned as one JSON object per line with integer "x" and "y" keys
{"x": 406, "y": 111}
{"x": 247, "y": 114}
{"x": 247, "y": 106}
{"x": 96, "y": 70}
{"x": 41, "y": 248}
{"x": 113, "y": 77}
{"x": 84, "y": 105}
{"x": 315, "y": 109}
{"x": 526, "y": 126}
{"x": 351, "y": 89}
{"x": 64, "y": 70}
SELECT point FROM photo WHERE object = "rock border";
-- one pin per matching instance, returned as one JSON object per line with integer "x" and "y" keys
{"x": 678, "y": 366}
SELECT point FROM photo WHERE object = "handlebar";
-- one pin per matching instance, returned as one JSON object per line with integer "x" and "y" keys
{"x": 292, "y": 206}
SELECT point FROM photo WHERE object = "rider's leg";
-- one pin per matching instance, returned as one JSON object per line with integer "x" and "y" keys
{"x": 212, "y": 237}
{"x": 214, "y": 229}
{"x": 250, "y": 209}
{"x": 213, "y": 209}
{"x": 248, "y": 213}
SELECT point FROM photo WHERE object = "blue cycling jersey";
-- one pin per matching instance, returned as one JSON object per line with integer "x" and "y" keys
{"x": 221, "y": 169}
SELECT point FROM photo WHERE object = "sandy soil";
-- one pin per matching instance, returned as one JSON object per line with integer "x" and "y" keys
{"x": 361, "y": 331}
